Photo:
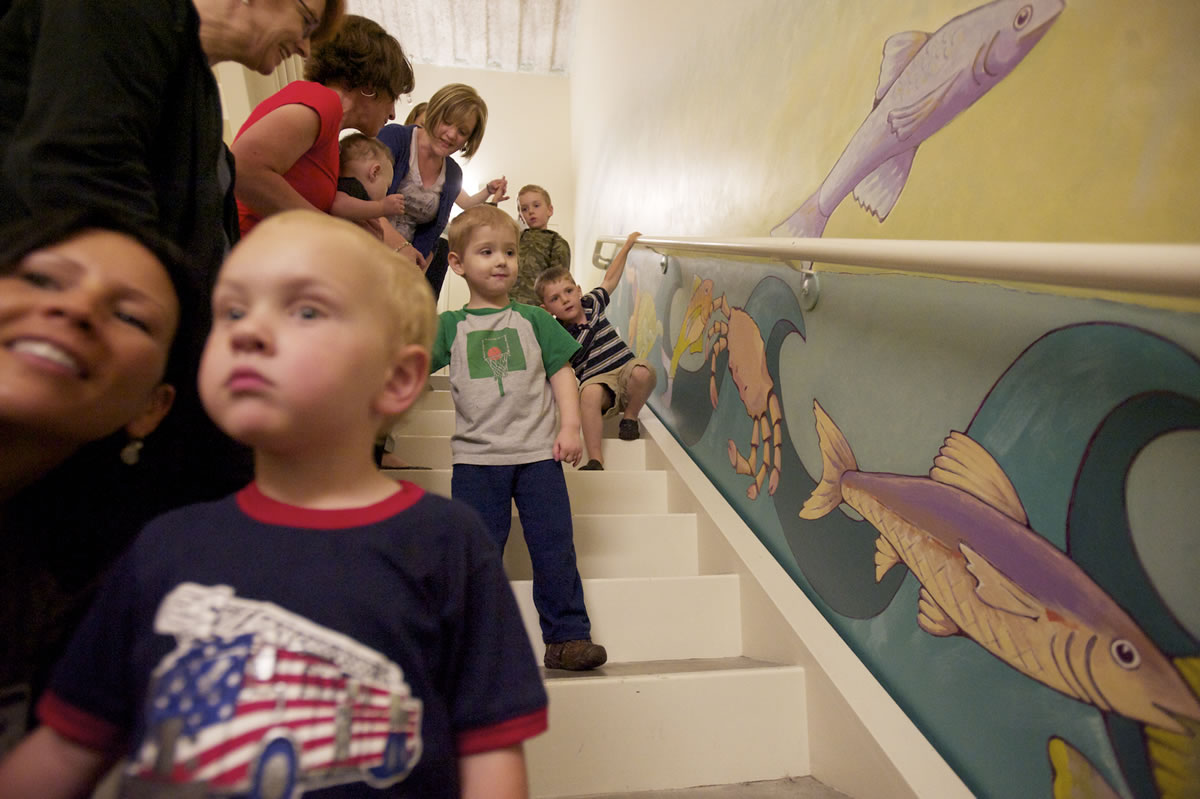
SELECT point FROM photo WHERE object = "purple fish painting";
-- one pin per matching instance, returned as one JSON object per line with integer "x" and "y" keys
{"x": 985, "y": 574}
{"x": 924, "y": 82}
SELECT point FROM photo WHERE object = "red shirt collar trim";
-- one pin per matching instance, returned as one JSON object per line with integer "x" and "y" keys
{"x": 260, "y": 507}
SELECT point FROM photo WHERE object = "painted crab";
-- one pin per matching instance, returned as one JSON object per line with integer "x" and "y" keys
{"x": 748, "y": 367}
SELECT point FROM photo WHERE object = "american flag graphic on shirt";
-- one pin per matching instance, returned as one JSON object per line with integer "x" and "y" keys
{"x": 257, "y": 700}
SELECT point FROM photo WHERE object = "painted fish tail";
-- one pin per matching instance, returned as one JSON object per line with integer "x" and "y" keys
{"x": 806, "y": 222}
{"x": 836, "y": 460}
{"x": 1074, "y": 775}
{"x": 1175, "y": 756}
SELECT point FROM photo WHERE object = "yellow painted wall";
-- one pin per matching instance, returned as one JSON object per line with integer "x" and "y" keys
{"x": 710, "y": 117}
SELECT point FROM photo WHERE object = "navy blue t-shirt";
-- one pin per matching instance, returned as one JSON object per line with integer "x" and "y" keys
{"x": 354, "y": 652}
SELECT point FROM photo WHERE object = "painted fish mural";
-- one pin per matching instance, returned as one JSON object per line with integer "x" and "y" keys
{"x": 1175, "y": 756}
{"x": 691, "y": 331}
{"x": 748, "y": 368}
{"x": 984, "y": 574}
{"x": 925, "y": 81}
{"x": 644, "y": 327}
{"x": 1074, "y": 775}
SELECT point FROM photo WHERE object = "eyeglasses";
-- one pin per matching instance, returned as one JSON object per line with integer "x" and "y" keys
{"x": 311, "y": 23}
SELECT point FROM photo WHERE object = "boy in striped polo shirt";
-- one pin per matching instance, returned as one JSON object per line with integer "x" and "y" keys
{"x": 611, "y": 379}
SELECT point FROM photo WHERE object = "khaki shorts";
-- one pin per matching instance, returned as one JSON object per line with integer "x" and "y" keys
{"x": 617, "y": 383}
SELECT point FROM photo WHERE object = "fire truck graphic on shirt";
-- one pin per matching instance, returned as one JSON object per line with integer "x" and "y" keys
{"x": 256, "y": 701}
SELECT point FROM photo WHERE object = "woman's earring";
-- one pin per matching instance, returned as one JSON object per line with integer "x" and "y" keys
{"x": 132, "y": 452}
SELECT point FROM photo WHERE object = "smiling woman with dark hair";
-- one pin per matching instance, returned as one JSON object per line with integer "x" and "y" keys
{"x": 98, "y": 327}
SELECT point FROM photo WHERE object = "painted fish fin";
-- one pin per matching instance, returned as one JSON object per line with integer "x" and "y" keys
{"x": 1174, "y": 756}
{"x": 878, "y": 191}
{"x": 806, "y": 222}
{"x": 885, "y": 557}
{"x": 905, "y": 120}
{"x": 963, "y": 463}
{"x": 898, "y": 52}
{"x": 997, "y": 590}
{"x": 1189, "y": 669}
{"x": 836, "y": 460}
{"x": 931, "y": 618}
{"x": 1074, "y": 775}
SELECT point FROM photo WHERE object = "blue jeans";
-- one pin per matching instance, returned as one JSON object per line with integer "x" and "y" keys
{"x": 540, "y": 491}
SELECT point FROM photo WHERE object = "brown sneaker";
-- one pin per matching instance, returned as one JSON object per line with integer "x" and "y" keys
{"x": 579, "y": 655}
{"x": 628, "y": 430}
{"x": 592, "y": 466}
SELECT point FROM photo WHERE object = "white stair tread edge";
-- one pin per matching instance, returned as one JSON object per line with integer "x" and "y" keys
{"x": 653, "y": 618}
{"x": 434, "y": 452}
{"x": 621, "y": 545}
{"x": 590, "y": 492}
{"x": 663, "y": 668}
{"x": 647, "y": 733}
{"x": 786, "y": 788}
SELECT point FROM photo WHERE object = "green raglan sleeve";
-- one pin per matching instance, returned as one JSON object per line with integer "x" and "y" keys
{"x": 558, "y": 346}
{"x": 447, "y": 325}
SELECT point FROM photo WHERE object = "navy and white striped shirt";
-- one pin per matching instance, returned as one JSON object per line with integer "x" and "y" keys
{"x": 602, "y": 349}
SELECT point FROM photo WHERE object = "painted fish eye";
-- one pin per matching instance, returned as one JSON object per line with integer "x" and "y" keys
{"x": 1125, "y": 654}
{"x": 1023, "y": 17}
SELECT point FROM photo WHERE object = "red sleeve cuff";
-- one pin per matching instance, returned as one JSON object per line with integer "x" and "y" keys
{"x": 79, "y": 726}
{"x": 506, "y": 733}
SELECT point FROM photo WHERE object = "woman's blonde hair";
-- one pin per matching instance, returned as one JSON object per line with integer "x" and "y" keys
{"x": 363, "y": 56}
{"x": 453, "y": 104}
{"x": 416, "y": 111}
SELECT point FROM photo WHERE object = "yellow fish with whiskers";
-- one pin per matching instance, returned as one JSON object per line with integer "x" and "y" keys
{"x": 986, "y": 575}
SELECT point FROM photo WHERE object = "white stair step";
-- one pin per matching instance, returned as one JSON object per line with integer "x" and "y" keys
{"x": 433, "y": 415}
{"x": 434, "y": 452}
{"x": 434, "y": 401}
{"x": 653, "y": 618}
{"x": 618, "y": 545}
{"x": 590, "y": 492}
{"x": 420, "y": 421}
{"x": 648, "y": 726}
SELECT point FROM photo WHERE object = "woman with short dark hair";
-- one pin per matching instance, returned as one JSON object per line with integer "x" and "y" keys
{"x": 287, "y": 151}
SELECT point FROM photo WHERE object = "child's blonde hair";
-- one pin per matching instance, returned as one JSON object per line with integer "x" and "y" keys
{"x": 528, "y": 187}
{"x": 465, "y": 224}
{"x": 551, "y": 275}
{"x": 359, "y": 146}
{"x": 409, "y": 299}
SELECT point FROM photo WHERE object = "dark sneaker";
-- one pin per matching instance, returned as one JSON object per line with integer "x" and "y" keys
{"x": 578, "y": 655}
{"x": 592, "y": 466}
{"x": 628, "y": 430}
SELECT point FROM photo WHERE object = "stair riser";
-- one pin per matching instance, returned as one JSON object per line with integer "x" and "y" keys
{"x": 620, "y": 546}
{"x": 651, "y": 733}
{"x": 590, "y": 492}
{"x": 434, "y": 452}
{"x": 673, "y": 618}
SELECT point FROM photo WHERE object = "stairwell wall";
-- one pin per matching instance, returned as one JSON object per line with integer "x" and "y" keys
{"x": 1028, "y": 120}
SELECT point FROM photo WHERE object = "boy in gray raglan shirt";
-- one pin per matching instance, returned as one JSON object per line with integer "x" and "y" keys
{"x": 510, "y": 366}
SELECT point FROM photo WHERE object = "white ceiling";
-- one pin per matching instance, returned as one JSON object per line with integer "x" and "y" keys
{"x": 508, "y": 35}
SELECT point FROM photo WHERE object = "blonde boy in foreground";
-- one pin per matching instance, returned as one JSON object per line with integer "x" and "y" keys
{"x": 323, "y": 601}
{"x": 509, "y": 368}
{"x": 541, "y": 247}
{"x": 611, "y": 379}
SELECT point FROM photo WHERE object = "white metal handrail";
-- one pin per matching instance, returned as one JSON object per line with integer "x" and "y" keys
{"x": 1163, "y": 269}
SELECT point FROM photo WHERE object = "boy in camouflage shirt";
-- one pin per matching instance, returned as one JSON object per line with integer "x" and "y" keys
{"x": 540, "y": 247}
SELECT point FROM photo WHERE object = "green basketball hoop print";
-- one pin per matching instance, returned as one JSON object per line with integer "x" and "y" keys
{"x": 494, "y": 353}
